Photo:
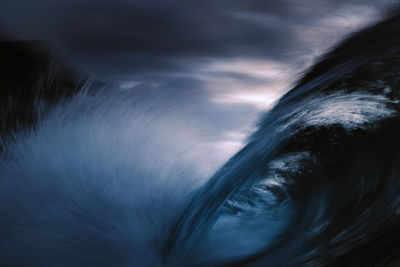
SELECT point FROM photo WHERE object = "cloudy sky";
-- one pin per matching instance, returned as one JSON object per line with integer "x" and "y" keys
{"x": 221, "y": 63}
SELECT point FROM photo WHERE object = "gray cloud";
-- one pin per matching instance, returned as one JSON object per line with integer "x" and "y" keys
{"x": 137, "y": 35}
{"x": 216, "y": 61}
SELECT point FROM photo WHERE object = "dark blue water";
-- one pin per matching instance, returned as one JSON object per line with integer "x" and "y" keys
{"x": 322, "y": 171}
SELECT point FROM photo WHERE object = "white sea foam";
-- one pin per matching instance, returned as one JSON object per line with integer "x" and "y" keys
{"x": 351, "y": 110}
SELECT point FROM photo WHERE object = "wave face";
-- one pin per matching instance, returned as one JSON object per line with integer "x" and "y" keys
{"x": 318, "y": 184}
{"x": 92, "y": 180}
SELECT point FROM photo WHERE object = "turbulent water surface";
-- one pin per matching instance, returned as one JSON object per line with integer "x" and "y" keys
{"x": 88, "y": 179}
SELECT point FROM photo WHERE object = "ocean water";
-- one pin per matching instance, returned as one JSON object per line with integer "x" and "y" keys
{"x": 93, "y": 180}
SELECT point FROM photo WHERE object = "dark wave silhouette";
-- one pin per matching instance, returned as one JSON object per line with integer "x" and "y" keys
{"x": 328, "y": 154}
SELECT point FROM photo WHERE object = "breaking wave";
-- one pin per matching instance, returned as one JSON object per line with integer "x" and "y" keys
{"x": 97, "y": 181}
{"x": 318, "y": 183}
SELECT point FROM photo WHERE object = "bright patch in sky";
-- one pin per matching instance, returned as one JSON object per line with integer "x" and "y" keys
{"x": 245, "y": 81}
